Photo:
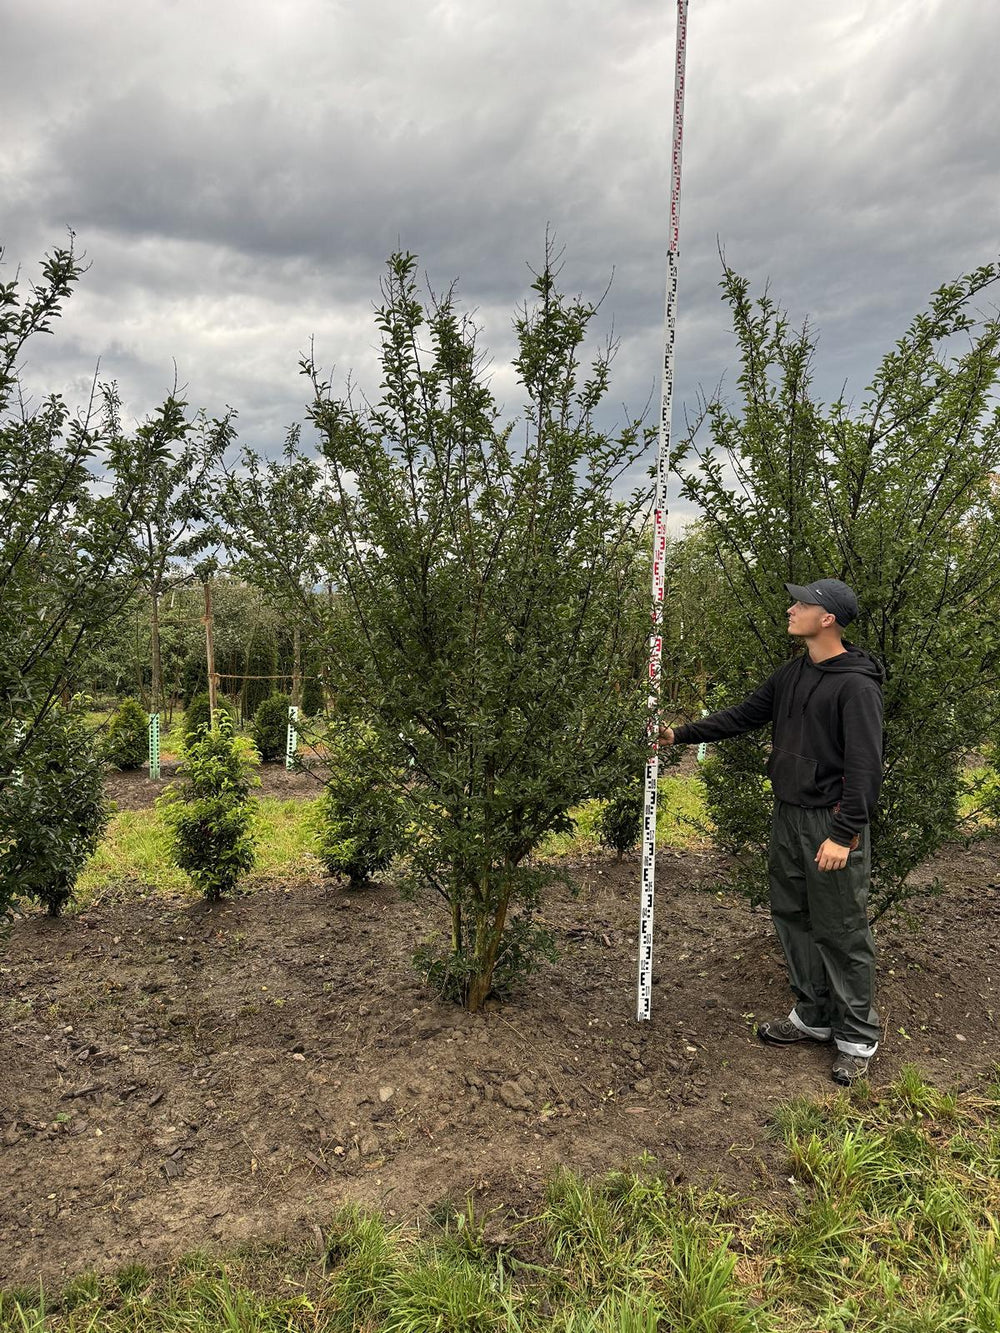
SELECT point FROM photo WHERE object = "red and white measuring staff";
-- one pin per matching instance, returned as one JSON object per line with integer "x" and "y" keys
{"x": 660, "y": 533}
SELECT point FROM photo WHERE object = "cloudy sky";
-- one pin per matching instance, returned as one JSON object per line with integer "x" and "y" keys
{"x": 237, "y": 171}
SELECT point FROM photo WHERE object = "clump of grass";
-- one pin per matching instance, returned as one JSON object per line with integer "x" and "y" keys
{"x": 21, "y": 1301}
{"x": 362, "y": 1259}
{"x": 198, "y": 1294}
{"x": 132, "y": 1279}
{"x": 447, "y": 1290}
{"x": 897, "y": 1194}
{"x": 633, "y": 1246}
{"x": 799, "y": 1117}
{"x": 82, "y": 1291}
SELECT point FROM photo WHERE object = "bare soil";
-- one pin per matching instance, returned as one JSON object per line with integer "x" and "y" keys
{"x": 175, "y": 1075}
{"x": 138, "y": 791}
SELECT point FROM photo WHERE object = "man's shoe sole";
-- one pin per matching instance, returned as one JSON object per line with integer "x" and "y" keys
{"x": 769, "y": 1040}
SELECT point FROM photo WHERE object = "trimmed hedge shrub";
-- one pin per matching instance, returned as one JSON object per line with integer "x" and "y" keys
{"x": 194, "y": 679}
{"x": 270, "y": 727}
{"x": 52, "y": 813}
{"x": 359, "y": 822}
{"x": 619, "y": 824}
{"x": 210, "y": 813}
{"x": 313, "y": 701}
{"x": 260, "y": 661}
{"x": 198, "y": 714}
{"x": 126, "y": 745}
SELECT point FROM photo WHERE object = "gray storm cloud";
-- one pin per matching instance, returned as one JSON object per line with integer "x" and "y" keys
{"x": 238, "y": 172}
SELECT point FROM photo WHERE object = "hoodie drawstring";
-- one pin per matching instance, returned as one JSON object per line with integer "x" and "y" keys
{"x": 791, "y": 692}
{"x": 812, "y": 689}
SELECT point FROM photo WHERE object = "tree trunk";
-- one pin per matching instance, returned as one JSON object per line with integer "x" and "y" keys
{"x": 297, "y": 666}
{"x": 248, "y": 660}
{"x": 139, "y": 663}
{"x": 456, "y": 927}
{"x": 210, "y": 652}
{"x": 487, "y": 947}
{"x": 479, "y": 989}
{"x": 156, "y": 662}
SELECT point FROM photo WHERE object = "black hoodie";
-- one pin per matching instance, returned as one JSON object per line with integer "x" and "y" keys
{"x": 826, "y": 735}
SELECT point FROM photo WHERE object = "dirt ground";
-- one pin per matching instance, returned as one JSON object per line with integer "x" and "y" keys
{"x": 137, "y": 791}
{"x": 176, "y": 1076}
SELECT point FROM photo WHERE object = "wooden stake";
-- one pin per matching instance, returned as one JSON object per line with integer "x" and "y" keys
{"x": 213, "y": 680}
{"x": 297, "y": 666}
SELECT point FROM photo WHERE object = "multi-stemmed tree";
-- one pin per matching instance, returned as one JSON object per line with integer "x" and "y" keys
{"x": 69, "y": 503}
{"x": 894, "y": 495}
{"x": 487, "y": 626}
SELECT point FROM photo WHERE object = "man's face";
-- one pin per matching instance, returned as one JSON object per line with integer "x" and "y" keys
{"x": 807, "y": 618}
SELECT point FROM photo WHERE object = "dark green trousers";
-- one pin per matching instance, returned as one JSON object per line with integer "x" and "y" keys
{"x": 821, "y": 919}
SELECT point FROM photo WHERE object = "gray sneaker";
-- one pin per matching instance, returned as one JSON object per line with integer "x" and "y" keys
{"x": 848, "y": 1068}
{"x": 783, "y": 1032}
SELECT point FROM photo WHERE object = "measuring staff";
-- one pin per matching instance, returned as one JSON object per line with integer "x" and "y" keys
{"x": 646, "y": 889}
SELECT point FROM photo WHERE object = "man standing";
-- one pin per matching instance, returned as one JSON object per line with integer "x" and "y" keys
{"x": 825, "y": 710}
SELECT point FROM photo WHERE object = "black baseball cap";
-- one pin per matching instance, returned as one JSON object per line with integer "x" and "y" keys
{"x": 831, "y": 595}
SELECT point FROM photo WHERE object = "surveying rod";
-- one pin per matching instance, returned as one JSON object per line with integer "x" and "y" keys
{"x": 660, "y": 536}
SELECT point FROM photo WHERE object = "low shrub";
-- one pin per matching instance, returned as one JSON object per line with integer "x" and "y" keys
{"x": 359, "y": 820}
{"x": 53, "y": 812}
{"x": 126, "y": 745}
{"x": 210, "y": 813}
{"x": 198, "y": 714}
{"x": 270, "y": 727}
{"x": 619, "y": 824}
{"x": 313, "y": 701}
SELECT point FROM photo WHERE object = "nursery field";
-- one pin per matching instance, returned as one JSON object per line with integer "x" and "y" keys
{"x": 183, "y": 1076}
{"x": 211, "y": 1044}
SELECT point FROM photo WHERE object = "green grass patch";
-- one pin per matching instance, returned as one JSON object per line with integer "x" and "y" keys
{"x": 172, "y": 737}
{"x": 894, "y": 1224}
{"x": 95, "y": 718}
{"x": 681, "y": 821}
{"x": 135, "y": 851}
{"x": 977, "y": 793}
{"x": 881, "y": 1219}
